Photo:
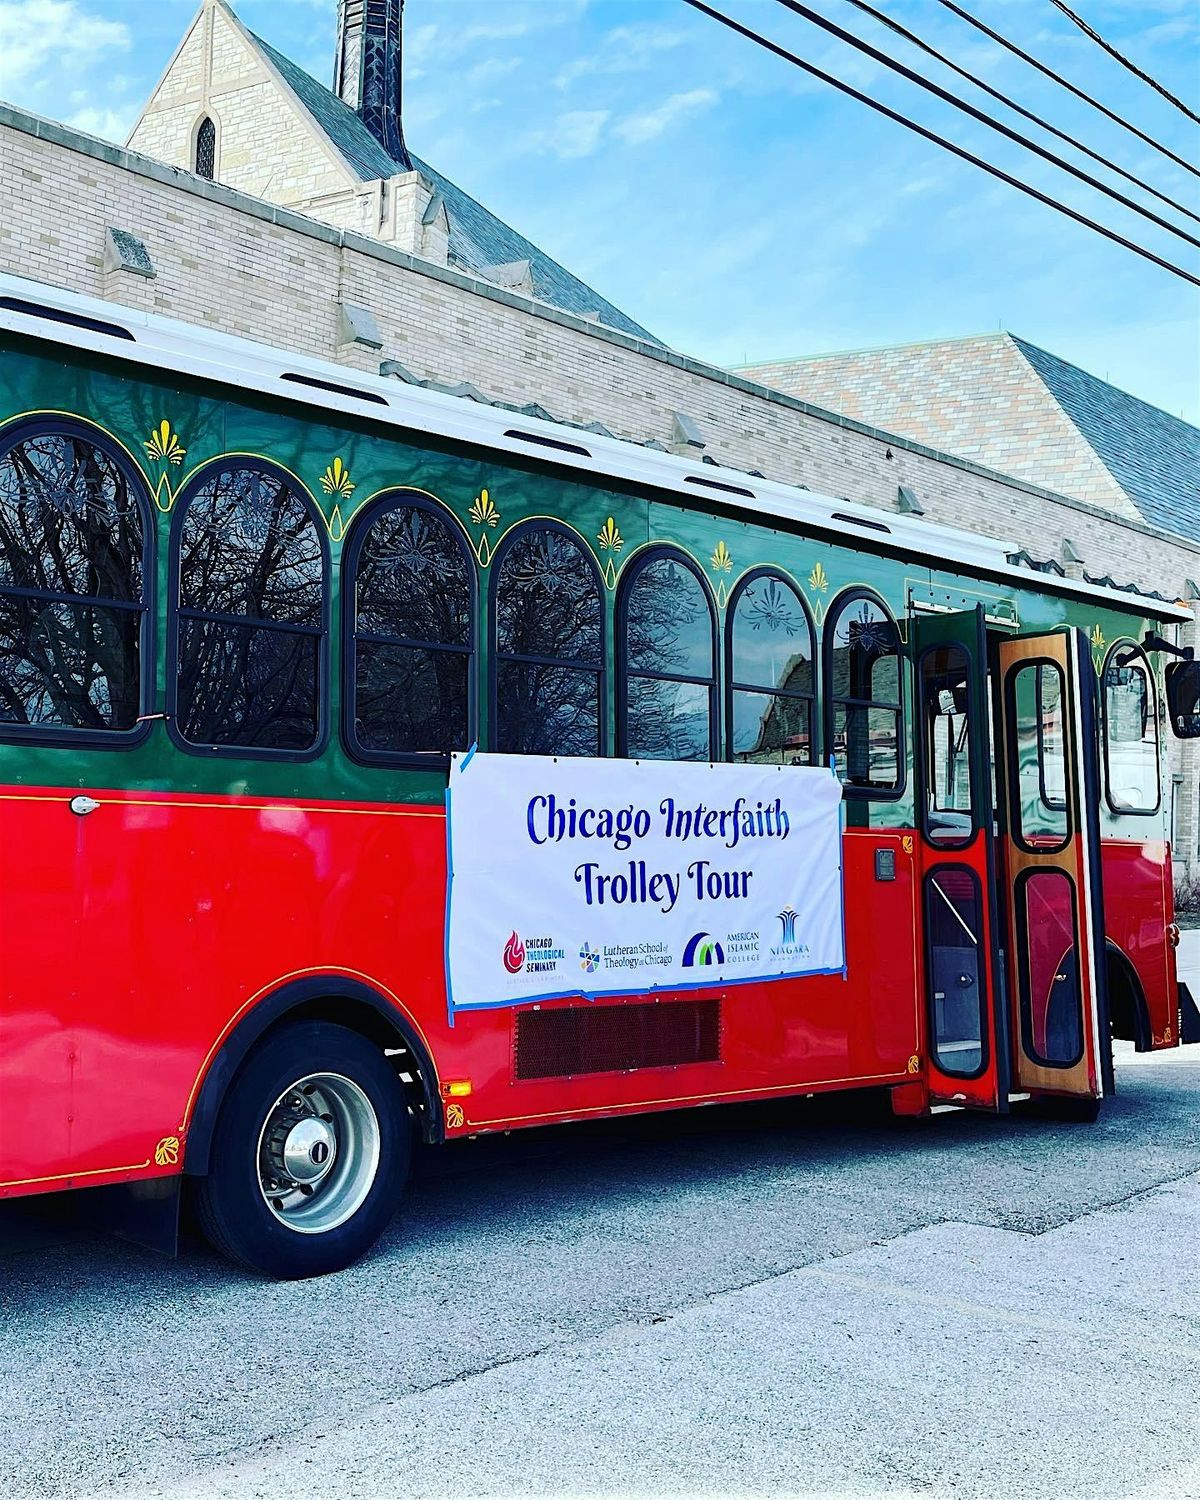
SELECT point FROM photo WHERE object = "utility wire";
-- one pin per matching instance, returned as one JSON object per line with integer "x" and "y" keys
{"x": 929, "y": 135}
{"x": 1028, "y": 114}
{"x": 1066, "y": 84}
{"x": 984, "y": 118}
{"x": 1123, "y": 60}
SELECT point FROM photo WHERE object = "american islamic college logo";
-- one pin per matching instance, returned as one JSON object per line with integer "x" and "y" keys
{"x": 703, "y": 951}
{"x": 589, "y": 959}
{"x": 787, "y": 920}
{"x": 514, "y": 954}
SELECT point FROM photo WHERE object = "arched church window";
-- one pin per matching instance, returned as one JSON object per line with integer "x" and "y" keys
{"x": 206, "y": 149}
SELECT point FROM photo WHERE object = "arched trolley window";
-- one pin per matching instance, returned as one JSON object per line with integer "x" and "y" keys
{"x": 547, "y": 625}
{"x": 251, "y": 618}
{"x": 75, "y": 570}
{"x": 771, "y": 663}
{"x": 410, "y": 633}
{"x": 864, "y": 695}
{"x": 667, "y": 707}
{"x": 1130, "y": 718}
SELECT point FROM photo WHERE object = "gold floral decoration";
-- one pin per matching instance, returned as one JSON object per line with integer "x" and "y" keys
{"x": 454, "y": 1116}
{"x": 336, "y": 480}
{"x": 484, "y": 512}
{"x": 720, "y": 561}
{"x": 818, "y": 579}
{"x": 166, "y": 1153}
{"x": 610, "y": 537}
{"x": 164, "y": 445}
{"x": 1097, "y": 640}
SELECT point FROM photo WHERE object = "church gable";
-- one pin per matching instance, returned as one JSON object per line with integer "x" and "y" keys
{"x": 265, "y": 143}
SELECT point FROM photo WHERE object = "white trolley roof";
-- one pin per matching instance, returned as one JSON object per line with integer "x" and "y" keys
{"x": 166, "y": 344}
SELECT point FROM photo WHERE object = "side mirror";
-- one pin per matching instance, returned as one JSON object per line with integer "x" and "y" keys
{"x": 1183, "y": 699}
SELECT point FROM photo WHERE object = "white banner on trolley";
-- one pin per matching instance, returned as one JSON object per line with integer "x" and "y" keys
{"x": 607, "y": 877}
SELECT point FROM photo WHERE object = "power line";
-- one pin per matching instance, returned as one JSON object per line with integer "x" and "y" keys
{"x": 1028, "y": 114}
{"x": 1123, "y": 60}
{"x": 1067, "y": 84}
{"x": 984, "y": 118}
{"x": 929, "y": 135}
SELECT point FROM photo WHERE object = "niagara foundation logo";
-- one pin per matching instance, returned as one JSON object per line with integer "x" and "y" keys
{"x": 589, "y": 959}
{"x": 789, "y": 946}
{"x": 514, "y": 954}
{"x": 703, "y": 952}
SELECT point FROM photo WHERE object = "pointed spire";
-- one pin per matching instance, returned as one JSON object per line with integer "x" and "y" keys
{"x": 367, "y": 69}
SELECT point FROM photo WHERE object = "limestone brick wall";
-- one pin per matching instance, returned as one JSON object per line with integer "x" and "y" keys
{"x": 227, "y": 261}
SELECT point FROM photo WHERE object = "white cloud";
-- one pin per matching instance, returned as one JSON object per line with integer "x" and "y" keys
{"x": 492, "y": 68}
{"x": 108, "y": 124}
{"x": 40, "y": 35}
{"x": 649, "y": 124}
{"x": 577, "y": 133}
{"x": 625, "y": 49}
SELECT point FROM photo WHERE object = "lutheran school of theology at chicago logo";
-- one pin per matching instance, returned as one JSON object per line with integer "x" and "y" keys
{"x": 703, "y": 951}
{"x": 589, "y": 959}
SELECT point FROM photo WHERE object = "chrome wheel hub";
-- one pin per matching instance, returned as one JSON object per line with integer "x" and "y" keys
{"x": 318, "y": 1153}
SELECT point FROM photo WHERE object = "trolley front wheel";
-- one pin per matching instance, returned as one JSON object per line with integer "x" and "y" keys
{"x": 310, "y": 1153}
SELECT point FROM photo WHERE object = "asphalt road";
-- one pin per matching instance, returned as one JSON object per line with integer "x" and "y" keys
{"x": 791, "y": 1299}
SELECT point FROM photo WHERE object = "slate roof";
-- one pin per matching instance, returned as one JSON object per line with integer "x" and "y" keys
{"x": 478, "y": 239}
{"x": 1153, "y": 456}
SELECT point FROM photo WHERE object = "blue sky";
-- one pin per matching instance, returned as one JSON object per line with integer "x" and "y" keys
{"x": 734, "y": 207}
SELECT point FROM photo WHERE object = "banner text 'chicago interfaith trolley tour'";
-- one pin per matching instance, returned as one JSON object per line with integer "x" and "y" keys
{"x": 607, "y": 877}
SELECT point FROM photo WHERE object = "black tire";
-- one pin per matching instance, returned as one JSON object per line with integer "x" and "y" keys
{"x": 234, "y": 1214}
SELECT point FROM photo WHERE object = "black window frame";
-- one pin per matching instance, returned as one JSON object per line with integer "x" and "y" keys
{"x": 496, "y": 656}
{"x": 1128, "y": 648}
{"x": 401, "y": 499}
{"x": 205, "y": 119}
{"x": 921, "y": 746}
{"x": 253, "y": 463}
{"x": 629, "y": 577}
{"x": 927, "y": 881}
{"x": 832, "y": 700}
{"x": 78, "y": 429}
{"x": 1067, "y": 806}
{"x": 1024, "y": 992}
{"x": 732, "y": 686}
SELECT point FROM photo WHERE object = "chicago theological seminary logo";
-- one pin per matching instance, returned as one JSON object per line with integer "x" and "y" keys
{"x": 703, "y": 951}
{"x": 514, "y": 954}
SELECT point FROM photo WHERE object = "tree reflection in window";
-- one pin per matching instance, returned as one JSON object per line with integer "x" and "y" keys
{"x": 72, "y": 579}
{"x": 251, "y": 614}
{"x": 771, "y": 694}
{"x": 669, "y": 680}
{"x": 863, "y": 678}
{"x": 549, "y": 644}
{"x": 413, "y": 634}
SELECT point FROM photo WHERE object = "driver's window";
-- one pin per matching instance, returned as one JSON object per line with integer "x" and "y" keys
{"x": 945, "y": 716}
{"x": 1130, "y": 732}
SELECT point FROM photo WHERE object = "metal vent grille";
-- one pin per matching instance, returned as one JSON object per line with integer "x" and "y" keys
{"x": 616, "y": 1038}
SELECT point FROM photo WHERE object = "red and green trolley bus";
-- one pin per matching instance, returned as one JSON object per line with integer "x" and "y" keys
{"x": 251, "y": 603}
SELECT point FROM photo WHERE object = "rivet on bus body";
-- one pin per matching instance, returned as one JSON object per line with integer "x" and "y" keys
{"x": 81, "y": 805}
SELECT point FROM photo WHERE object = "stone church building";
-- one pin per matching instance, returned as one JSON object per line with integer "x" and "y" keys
{"x": 253, "y": 199}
